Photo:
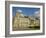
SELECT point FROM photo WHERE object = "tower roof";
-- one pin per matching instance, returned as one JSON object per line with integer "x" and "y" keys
{"x": 19, "y": 11}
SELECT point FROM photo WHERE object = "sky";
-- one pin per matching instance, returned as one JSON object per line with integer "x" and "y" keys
{"x": 25, "y": 10}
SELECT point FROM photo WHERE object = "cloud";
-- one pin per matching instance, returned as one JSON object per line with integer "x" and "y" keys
{"x": 37, "y": 12}
{"x": 19, "y": 10}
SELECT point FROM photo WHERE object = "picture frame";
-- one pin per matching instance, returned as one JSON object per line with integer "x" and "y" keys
{"x": 15, "y": 31}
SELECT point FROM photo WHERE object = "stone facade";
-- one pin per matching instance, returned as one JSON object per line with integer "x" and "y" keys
{"x": 20, "y": 21}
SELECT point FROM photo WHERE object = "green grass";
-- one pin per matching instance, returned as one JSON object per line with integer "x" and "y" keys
{"x": 28, "y": 28}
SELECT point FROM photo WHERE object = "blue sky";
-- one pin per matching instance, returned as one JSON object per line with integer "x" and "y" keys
{"x": 25, "y": 10}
